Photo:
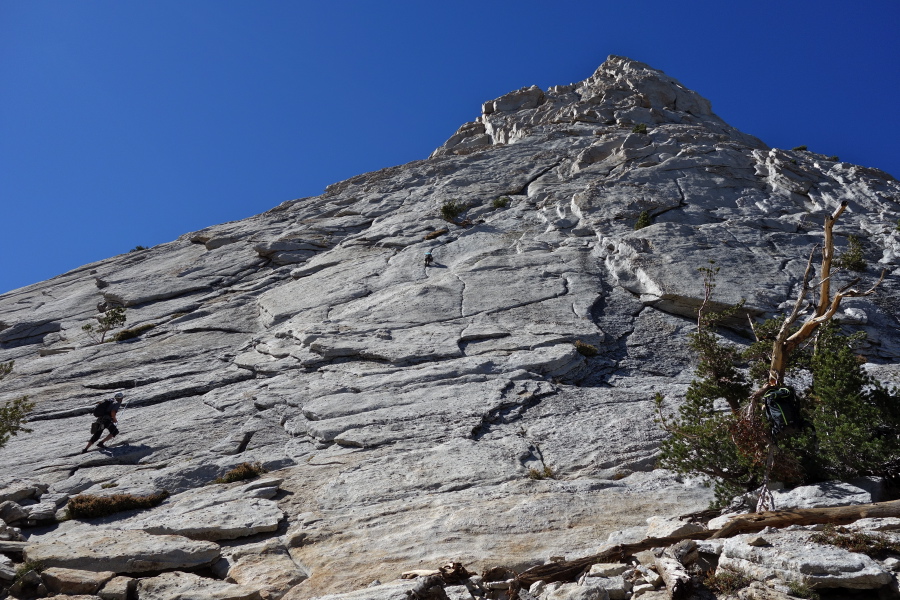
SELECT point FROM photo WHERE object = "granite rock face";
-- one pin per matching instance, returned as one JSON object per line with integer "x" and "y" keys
{"x": 403, "y": 403}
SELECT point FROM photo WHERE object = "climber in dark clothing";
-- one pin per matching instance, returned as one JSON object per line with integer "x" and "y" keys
{"x": 428, "y": 258}
{"x": 106, "y": 419}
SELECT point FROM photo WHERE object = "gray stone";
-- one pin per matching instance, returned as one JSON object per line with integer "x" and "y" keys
{"x": 118, "y": 588}
{"x": 169, "y": 586}
{"x": 73, "y": 581}
{"x": 830, "y": 493}
{"x": 121, "y": 551}
{"x": 660, "y": 527}
{"x": 10, "y": 512}
{"x": 790, "y": 556}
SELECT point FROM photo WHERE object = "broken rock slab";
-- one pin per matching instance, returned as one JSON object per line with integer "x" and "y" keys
{"x": 392, "y": 590}
{"x": 73, "y": 581}
{"x": 821, "y": 495}
{"x": 791, "y": 556}
{"x": 121, "y": 551}
{"x": 118, "y": 588}
{"x": 177, "y": 585}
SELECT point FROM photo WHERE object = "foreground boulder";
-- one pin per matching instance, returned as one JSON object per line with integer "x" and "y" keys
{"x": 121, "y": 551}
{"x": 187, "y": 586}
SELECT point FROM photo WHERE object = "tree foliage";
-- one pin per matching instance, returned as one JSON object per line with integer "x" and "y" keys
{"x": 111, "y": 319}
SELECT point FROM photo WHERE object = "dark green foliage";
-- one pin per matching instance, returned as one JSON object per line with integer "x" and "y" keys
{"x": 802, "y": 590}
{"x": 452, "y": 209}
{"x": 876, "y": 546}
{"x": 112, "y": 318}
{"x": 25, "y": 568}
{"x": 138, "y": 248}
{"x": 501, "y": 202}
{"x": 852, "y": 258}
{"x": 13, "y": 415}
{"x": 644, "y": 220}
{"x": 6, "y": 368}
{"x": 834, "y": 158}
{"x": 854, "y": 421}
{"x": 130, "y": 334}
{"x": 726, "y": 580}
{"x": 586, "y": 349}
{"x": 86, "y": 506}
{"x": 799, "y": 149}
{"x": 639, "y": 128}
{"x": 242, "y": 472}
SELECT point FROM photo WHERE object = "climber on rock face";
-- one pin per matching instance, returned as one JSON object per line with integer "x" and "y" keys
{"x": 428, "y": 258}
{"x": 105, "y": 412}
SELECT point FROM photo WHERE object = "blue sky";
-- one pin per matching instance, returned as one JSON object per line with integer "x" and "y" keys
{"x": 131, "y": 123}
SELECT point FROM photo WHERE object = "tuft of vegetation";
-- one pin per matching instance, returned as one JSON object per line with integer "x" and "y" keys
{"x": 138, "y": 248}
{"x": 876, "y": 546}
{"x": 644, "y": 220}
{"x": 802, "y": 590}
{"x": 799, "y": 149}
{"x": 501, "y": 202}
{"x": 436, "y": 234}
{"x": 726, "y": 580}
{"x": 110, "y": 484}
{"x": 898, "y": 224}
{"x": 852, "y": 258}
{"x": 834, "y": 158}
{"x": 111, "y": 319}
{"x": 130, "y": 334}
{"x": 242, "y": 472}
{"x": 6, "y": 368}
{"x": 539, "y": 474}
{"x": 27, "y": 567}
{"x": 87, "y": 506}
{"x": 586, "y": 349}
{"x": 639, "y": 128}
{"x": 452, "y": 209}
{"x": 13, "y": 416}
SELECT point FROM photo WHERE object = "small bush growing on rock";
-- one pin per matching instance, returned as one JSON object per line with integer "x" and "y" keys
{"x": 25, "y": 568}
{"x": 87, "y": 506}
{"x": 726, "y": 580}
{"x": 242, "y": 472}
{"x": 876, "y": 546}
{"x": 452, "y": 209}
{"x": 644, "y": 220}
{"x": 501, "y": 202}
{"x": 112, "y": 318}
{"x": 852, "y": 258}
{"x": 586, "y": 349}
{"x": 834, "y": 158}
{"x": 13, "y": 415}
{"x": 799, "y": 148}
{"x": 130, "y": 334}
{"x": 138, "y": 248}
{"x": 538, "y": 474}
{"x": 639, "y": 128}
{"x": 6, "y": 368}
{"x": 111, "y": 484}
{"x": 802, "y": 590}
{"x": 436, "y": 234}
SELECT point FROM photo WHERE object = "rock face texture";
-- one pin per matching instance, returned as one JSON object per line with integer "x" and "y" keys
{"x": 418, "y": 413}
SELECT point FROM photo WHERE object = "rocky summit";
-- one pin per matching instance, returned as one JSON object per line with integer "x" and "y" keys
{"x": 492, "y": 408}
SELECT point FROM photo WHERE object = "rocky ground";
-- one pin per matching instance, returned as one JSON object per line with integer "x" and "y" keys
{"x": 412, "y": 415}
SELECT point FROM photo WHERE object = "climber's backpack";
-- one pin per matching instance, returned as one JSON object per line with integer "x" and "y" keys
{"x": 782, "y": 409}
{"x": 102, "y": 409}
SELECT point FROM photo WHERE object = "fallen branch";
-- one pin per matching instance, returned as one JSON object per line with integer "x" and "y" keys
{"x": 674, "y": 575}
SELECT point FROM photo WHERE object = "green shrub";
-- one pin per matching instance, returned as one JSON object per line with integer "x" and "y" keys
{"x": 110, "y": 484}
{"x": 876, "y": 546}
{"x": 452, "y": 209}
{"x": 834, "y": 158}
{"x": 799, "y": 149}
{"x": 538, "y": 474}
{"x": 898, "y": 229}
{"x": 138, "y": 248}
{"x": 7, "y": 367}
{"x": 501, "y": 202}
{"x": 25, "y": 568}
{"x": 242, "y": 472}
{"x": 130, "y": 334}
{"x": 852, "y": 258}
{"x": 644, "y": 220}
{"x": 586, "y": 349}
{"x": 13, "y": 415}
{"x": 802, "y": 590}
{"x": 87, "y": 506}
{"x": 639, "y": 128}
{"x": 112, "y": 318}
{"x": 726, "y": 580}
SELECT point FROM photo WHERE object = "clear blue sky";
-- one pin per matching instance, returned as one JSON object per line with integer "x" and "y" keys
{"x": 126, "y": 123}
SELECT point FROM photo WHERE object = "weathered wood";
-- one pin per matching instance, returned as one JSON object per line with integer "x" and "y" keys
{"x": 837, "y": 515}
{"x": 676, "y": 578}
